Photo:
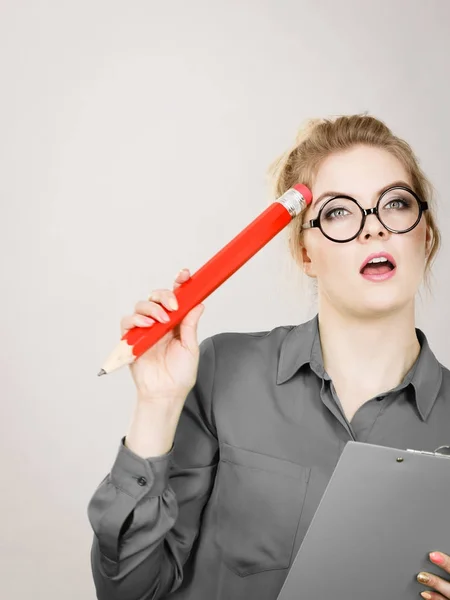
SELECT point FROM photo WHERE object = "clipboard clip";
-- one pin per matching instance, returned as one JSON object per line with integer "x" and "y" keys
{"x": 441, "y": 451}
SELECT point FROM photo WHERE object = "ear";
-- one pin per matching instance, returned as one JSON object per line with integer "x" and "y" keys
{"x": 308, "y": 266}
{"x": 428, "y": 241}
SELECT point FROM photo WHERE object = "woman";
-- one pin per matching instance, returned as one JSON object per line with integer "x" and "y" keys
{"x": 232, "y": 443}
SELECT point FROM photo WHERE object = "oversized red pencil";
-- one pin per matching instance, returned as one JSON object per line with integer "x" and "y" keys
{"x": 213, "y": 273}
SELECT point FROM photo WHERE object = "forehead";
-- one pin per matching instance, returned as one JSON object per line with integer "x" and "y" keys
{"x": 360, "y": 171}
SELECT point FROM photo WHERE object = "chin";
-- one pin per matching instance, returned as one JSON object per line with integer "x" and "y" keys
{"x": 383, "y": 303}
{"x": 378, "y": 299}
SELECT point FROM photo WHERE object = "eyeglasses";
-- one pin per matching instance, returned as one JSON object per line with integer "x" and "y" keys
{"x": 342, "y": 218}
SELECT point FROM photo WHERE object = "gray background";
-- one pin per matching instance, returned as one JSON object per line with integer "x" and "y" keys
{"x": 134, "y": 140}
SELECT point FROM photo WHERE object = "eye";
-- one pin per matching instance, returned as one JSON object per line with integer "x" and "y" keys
{"x": 337, "y": 212}
{"x": 397, "y": 203}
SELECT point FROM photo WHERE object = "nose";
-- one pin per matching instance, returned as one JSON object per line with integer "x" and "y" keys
{"x": 373, "y": 227}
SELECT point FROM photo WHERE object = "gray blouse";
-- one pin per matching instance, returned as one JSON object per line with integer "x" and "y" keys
{"x": 222, "y": 515}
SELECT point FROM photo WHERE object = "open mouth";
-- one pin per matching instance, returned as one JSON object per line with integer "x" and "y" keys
{"x": 378, "y": 266}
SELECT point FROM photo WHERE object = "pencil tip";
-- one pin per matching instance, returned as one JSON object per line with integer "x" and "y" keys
{"x": 101, "y": 372}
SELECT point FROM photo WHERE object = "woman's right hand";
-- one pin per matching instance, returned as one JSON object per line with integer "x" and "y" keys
{"x": 167, "y": 371}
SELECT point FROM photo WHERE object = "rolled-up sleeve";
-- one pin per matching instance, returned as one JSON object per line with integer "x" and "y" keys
{"x": 146, "y": 513}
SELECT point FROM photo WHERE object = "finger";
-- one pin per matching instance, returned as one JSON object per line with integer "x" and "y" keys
{"x": 430, "y": 595}
{"x": 135, "y": 320}
{"x": 182, "y": 276}
{"x": 153, "y": 310}
{"x": 433, "y": 581}
{"x": 166, "y": 298}
{"x": 189, "y": 326}
{"x": 441, "y": 560}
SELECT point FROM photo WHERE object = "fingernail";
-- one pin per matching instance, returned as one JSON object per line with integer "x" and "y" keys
{"x": 165, "y": 317}
{"x": 437, "y": 557}
{"x": 426, "y": 595}
{"x": 173, "y": 304}
{"x": 423, "y": 578}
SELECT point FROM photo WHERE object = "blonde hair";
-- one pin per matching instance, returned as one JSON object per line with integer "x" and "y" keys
{"x": 319, "y": 138}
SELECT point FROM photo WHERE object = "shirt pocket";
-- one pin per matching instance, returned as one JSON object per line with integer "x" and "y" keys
{"x": 259, "y": 503}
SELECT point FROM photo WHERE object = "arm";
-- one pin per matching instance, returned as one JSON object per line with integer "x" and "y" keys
{"x": 144, "y": 530}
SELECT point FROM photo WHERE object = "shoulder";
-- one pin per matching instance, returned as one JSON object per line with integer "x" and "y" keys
{"x": 262, "y": 348}
{"x": 236, "y": 355}
{"x": 234, "y": 343}
{"x": 445, "y": 376}
{"x": 268, "y": 336}
{"x": 431, "y": 371}
{"x": 232, "y": 351}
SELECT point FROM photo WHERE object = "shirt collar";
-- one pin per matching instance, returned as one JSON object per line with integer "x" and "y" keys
{"x": 302, "y": 346}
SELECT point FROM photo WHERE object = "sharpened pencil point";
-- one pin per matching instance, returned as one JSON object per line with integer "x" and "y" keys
{"x": 101, "y": 372}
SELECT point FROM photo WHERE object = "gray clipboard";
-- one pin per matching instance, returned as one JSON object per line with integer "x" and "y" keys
{"x": 381, "y": 514}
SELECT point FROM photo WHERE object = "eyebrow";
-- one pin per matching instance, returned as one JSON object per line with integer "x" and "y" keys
{"x": 331, "y": 194}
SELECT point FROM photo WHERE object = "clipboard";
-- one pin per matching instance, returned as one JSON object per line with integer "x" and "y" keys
{"x": 383, "y": 511}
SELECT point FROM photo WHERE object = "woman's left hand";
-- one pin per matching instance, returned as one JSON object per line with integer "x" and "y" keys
{"x": 442, "y": 586}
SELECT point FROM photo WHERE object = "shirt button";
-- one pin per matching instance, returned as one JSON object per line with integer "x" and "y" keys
{"x": 142, "y": 481}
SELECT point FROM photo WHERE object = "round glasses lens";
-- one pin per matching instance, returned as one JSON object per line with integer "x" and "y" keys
{"x": 398, "y": 210}
{"x": 340, "y": 219}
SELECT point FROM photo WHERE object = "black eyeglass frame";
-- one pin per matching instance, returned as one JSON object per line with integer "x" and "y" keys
{"x": 365, "y": 212}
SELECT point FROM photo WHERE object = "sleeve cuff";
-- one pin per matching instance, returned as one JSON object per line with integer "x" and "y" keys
{"x": 137, "y": 476}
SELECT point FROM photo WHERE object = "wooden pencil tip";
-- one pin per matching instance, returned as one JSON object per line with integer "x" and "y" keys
{"x": 101, "y": 372}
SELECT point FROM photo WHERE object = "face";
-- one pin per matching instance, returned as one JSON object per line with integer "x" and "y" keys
{"x": 361, "y": 173}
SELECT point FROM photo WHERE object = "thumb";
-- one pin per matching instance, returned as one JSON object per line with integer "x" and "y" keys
{"x": 188, "y": 327}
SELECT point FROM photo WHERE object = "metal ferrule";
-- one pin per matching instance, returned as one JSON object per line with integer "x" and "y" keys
{"x": 293, "y": 201}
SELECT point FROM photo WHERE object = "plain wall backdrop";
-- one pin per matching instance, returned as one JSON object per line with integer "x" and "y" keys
{"x": 134, "y": 141}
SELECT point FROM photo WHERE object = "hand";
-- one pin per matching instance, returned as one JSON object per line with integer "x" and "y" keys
{"x": 441, "y": 585}
{"x": 167, "y": 371}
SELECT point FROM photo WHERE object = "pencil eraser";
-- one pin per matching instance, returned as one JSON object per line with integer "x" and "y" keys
{"x": 305, "y": 192}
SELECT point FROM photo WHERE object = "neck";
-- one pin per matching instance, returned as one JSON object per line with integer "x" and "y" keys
{"x": 367, "y": 356}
